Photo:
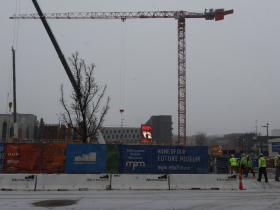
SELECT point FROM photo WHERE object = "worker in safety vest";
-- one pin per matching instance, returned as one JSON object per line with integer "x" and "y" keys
{"x": 277, "y": 166}
{"x": 237, "y": 164}
{"x": 262, "y": 168}
{"x": 243, "y": 164}
{"x": 233, "y": 164}
{"x": 249, "y": 166}
{"x": 211, "y": 165}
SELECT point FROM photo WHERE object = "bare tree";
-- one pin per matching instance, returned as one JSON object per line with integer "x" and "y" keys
{"x": 200, "y": 138}
{"x": 85, "y": 112}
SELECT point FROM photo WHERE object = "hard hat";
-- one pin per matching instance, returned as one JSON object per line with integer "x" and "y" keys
{"x": 247, "y": 156}
{"x": 278, "y": 155}
{"x": 232, "y": 155}
{"x": 243, "y": 154}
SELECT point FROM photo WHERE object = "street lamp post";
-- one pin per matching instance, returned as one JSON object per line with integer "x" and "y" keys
{"x": 265, "y": 126}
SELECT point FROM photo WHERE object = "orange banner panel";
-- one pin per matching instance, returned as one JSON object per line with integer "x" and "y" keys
{"x": 34, "y": 158}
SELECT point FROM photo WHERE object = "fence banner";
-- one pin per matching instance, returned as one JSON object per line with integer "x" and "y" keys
{"x": 135, "y": 159}
{"x": 112, "y": 159}
{"x": 179, "y": 160}
{"x": 275, "y": 147}
{"x": 2, "y": 154}
{"x": 85, "y": 158}
{"x": 34, "y": 158}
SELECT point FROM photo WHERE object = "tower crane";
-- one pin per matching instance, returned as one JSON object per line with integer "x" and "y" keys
{"x": 180, "y": 16}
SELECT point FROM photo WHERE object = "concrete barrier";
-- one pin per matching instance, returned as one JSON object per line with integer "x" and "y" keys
{"x": 203, "y": 182}
{"x": 65, "y": 182}
{"x": 17, "y": 182}
{"x": 139, "y": 182}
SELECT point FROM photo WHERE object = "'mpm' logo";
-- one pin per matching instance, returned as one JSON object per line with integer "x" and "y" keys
{"x": 135, "y": 164}
{"x": 86, "y": 157}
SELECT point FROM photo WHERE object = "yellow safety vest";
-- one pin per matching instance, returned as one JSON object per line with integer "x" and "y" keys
{"x": 275, "y": 162}
{"x": 233, "y": 162}
{"x": 248, "y": 164}
{"x": 243, "y": 161}
{"x": 262, "y": 162}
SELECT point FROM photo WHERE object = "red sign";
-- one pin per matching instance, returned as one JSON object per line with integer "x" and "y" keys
{"x": 217, "y": 149}
{"x": 146, "y": 133}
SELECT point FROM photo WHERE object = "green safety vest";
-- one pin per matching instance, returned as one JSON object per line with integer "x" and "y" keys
{"x": 233, "y": 162}
{"x": 248, "y": 164}
{"x": 262, "y": 162}
{"x": 243, "y": 161}
{"x": 275, "y": 162}
{"x": 211, "y": 163}
{"x": 238, "y": 162}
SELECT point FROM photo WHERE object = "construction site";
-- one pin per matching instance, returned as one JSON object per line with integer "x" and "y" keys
{"x": 131, "y": 96}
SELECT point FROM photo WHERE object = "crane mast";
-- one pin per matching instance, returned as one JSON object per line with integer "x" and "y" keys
{"x": 180, "y": 16}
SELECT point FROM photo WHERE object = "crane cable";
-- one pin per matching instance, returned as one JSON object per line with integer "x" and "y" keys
{"x": 122, "y": 66}
{"x": 16, "y": 25}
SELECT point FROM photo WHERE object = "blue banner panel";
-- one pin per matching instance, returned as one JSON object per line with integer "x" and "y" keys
{"x": 135, "y": 159}
{"x": 2, "y": 155}
{"x": 85, "y": 158}
{"x": 179, "y": 160}
{"x": 275, "y": 147}
{"x": 255, "y": 162}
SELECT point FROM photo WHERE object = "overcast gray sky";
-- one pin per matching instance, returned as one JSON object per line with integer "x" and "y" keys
{"x": 232, "y": 65}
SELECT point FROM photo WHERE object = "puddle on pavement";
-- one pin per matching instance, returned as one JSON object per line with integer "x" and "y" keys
{"x": 54, "y": 203}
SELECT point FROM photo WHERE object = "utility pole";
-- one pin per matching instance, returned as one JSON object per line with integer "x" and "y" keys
{"x": 14, "y": 94}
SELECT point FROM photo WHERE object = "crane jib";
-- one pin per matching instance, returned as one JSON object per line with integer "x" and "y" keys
{"x": 125, "y": 15}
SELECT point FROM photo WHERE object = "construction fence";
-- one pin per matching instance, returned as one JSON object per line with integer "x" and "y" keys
{"x": 95, "y": 158}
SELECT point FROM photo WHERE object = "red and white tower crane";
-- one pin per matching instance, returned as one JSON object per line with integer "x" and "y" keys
{"x": 180, "y": 16}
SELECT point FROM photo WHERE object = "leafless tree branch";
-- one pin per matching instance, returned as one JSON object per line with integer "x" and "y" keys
{"x": 83, "y": 112}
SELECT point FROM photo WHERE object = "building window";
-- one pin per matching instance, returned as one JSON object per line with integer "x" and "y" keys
{"x": 113, "y": 136}
{"x": 119, "y": 131}
{"x": 114, "y": 131}
{"x": 117, "y": 136}
{"x": 124, "y": 135}
{"x": 106, "y": 131}
{"x": 133, "y": 136}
